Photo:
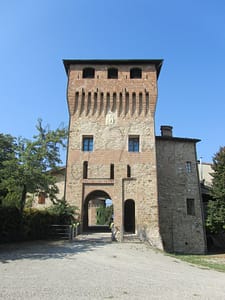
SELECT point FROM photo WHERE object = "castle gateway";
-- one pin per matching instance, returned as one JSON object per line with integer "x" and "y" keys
{"x": 113, "y": 153}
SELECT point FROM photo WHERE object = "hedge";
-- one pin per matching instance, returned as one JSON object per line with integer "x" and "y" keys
{"x": 32, "y": 224}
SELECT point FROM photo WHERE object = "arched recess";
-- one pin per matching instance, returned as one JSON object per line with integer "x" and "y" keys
{"x": 129, "y": 216}
{"x": 97, "y": 211}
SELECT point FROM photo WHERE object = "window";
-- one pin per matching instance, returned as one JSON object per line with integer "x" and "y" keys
{"x": 87, "y": 143}
{"x": 41, "y": 197}
{"x": 188, "y": 166}
{"x": 88, "y": 73}
{"x": 190, "y": 207}
{"x": 128, "y": 171}
{"x": 85, "y": 170}
{"x": 112, "y": 171}
{"x": 133, "y": 144}
{"x": 135, "y": 73}
{"x": 112, "y": 73}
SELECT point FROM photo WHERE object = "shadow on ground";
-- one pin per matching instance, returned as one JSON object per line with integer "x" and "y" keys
{"x": 43, "y": 250}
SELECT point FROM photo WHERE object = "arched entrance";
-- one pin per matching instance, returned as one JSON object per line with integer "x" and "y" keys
{"x": 97, "y": 211}
{"x": 129, "y": 216}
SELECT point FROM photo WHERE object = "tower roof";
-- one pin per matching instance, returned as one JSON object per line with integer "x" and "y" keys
{"x": 157, "y": 62}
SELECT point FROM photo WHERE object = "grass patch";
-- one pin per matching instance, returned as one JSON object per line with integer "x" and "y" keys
{"x": 215, "y": 262}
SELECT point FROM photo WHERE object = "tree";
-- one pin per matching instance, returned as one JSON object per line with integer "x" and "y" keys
{"x": 215, "y": 221}
{"x": 104, "y": 214}
{"x": 29, "y": 165}
{"x": 7, "y": 152}
{"x": 218, "y": 181}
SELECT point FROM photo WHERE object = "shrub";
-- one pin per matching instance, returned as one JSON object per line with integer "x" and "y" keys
{"x": 215, "y": 222}
{"x": 64, "y": 213}
{"x": 36, "y": 223}
{"x": 10, "y": 224}
{"x": 33, "y": 224}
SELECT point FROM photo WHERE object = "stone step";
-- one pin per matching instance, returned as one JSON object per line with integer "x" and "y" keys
{"x": 131, "y": 238}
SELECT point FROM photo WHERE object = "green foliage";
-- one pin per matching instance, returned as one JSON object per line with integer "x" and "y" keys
{"x": 207, "y": 261}
{"x": 218, "y": 166}
{"x": 7, "y": 153}
{"x": 104, "y": 215}
{"x": 66, "y": 213}
{"x": 33, "y": 224}
{"x": 215, "y": 221}
{"x": 26, "y": 165}
{"x": 10, "y": 224}
{"x": 36, "y": 223}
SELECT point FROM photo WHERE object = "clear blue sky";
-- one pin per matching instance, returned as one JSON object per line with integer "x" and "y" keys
{"x": 35, "y": 35}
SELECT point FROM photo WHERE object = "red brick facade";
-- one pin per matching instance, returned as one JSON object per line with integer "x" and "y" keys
{"x": 112, "y": 145}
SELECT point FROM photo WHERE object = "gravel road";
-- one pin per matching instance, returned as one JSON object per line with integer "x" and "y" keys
{"x": 92, "y": 267}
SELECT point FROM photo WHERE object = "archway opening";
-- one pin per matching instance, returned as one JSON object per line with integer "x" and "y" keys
{"x": 129, "y": 216}
{"x": 98, "y": 212}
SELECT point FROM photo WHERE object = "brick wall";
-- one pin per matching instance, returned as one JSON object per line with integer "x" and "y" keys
{"x": 111, "y": 110}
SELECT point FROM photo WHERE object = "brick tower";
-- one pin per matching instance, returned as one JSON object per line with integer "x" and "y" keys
{"x": 112, "y": 148}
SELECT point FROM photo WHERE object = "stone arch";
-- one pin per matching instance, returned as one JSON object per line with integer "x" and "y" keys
{"x": 92, "y": 202}
{"x": 129, "y": 216}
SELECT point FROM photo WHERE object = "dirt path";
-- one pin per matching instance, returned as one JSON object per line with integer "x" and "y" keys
{"x": 94, "y": 268}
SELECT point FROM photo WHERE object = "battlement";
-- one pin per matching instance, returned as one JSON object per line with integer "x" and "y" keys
{"x": 127, "y": 87}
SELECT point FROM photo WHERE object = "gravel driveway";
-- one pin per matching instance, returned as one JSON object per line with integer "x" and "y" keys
{"x": 94, "y": 268}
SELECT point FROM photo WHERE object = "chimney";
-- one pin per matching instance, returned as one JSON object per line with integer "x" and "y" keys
{"x": 166, "y": 130}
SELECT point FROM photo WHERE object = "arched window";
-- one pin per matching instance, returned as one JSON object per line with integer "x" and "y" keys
{"x": 128, "y": 171}
{"x": 135, "y": 73}
{"x": 112, "y": 171}
{"x": 85, "y": 170}
{"x": 88, "y": 73}
{"x": 129, "y": 216}
{"x": 112, "y": 73}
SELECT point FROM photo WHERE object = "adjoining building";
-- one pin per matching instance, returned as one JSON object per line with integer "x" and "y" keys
{"x": 113, "y": 153}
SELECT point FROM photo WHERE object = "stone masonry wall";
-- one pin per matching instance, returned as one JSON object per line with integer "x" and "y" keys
{"x": 180, "y": 231}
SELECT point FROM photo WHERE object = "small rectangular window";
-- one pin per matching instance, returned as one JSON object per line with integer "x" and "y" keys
{"x": 87, "y": 143}
{"x": 41, "y": 197}
{"x": 88, "y": 73}
{"x": 133, "y": 144}
{"x": 190, "y": 206}
{"x": 112, "y": 73}
{"x": 135, "y": 73}
{"x": 188, "y": 167}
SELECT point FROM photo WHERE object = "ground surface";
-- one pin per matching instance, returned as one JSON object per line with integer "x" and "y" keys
{"x": 94, "y": 268}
